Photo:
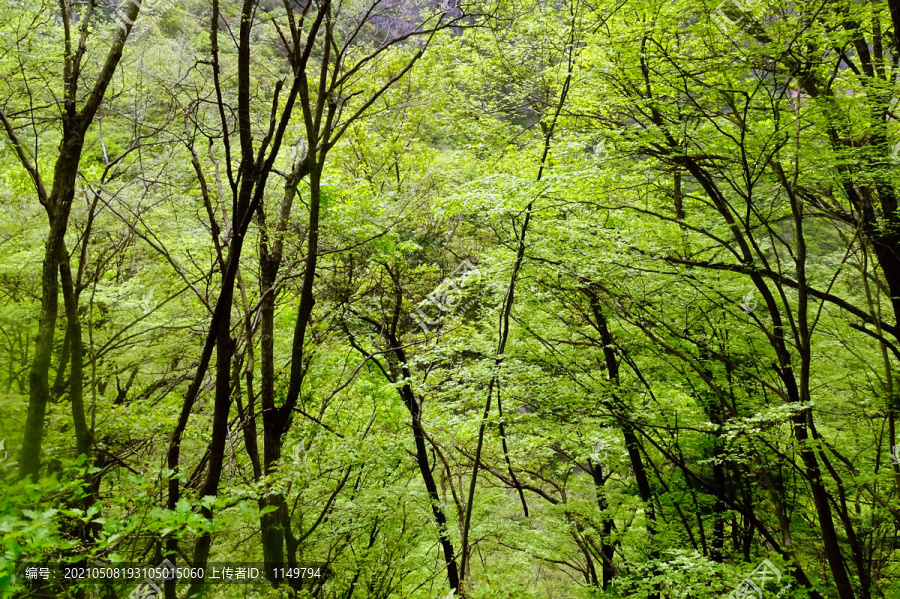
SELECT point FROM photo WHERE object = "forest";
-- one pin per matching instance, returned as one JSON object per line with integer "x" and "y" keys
{"x": 450, "y": 299}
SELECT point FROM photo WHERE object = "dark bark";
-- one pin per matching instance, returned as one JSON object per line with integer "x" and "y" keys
{"x": 607, "y": 548}
{"x": 247, "y": 197}
{"x": 632, "y": 444}
{"x": 39, "y": 377}
{"x": 222, "y": 405}
{"x": 76, "y": 373}
{"x": 58, "y": 204}
{"x": 275, "y": 526}
{"x": 795, "y": 393}
{"x": 399, "y": 370}
{"x": 411, "y": 403}
{"x": 271, "y": 246}
{"x": 717, "y": 544}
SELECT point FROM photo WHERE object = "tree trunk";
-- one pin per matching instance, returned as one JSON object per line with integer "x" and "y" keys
{"x": 409, "y": 400}
{"x": 58, "y": 209}
{"x": 607, "y": 549}
{"x": 76, "y": 358}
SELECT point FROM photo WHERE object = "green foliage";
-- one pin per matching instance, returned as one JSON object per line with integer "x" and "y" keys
{"x": 693, "y": 230}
